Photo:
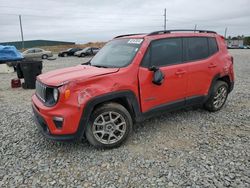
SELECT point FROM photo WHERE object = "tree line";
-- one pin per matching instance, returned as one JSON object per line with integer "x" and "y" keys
{"x": 246, "y": 39}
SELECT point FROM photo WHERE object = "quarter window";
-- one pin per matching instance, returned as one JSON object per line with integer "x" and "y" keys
{"x": 166, "y": 52}
{"x": 213, "y": 47}
{"x": 197, "y": 48}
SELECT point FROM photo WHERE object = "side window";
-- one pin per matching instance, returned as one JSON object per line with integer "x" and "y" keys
{"x": 31, "y": 51}
{"x": 38, "y": 50}
{"x": 166, "y": 52}
{"x": 213, "y": 47}
{"x": 146, "y": 58}
{"x": 197, "y": 48}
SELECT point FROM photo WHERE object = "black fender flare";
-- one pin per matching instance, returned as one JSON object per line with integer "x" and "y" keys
{"x": 216, "y": 77}
{"x": 128, "y": 95}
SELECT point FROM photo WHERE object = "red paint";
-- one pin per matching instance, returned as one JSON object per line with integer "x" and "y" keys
{"x": 86, "y": 82}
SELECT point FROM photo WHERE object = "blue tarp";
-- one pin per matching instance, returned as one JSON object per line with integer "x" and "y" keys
{"x": 9, "y": 53}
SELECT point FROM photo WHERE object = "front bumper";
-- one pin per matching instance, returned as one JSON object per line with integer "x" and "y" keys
{"x": 43, "y": 128}
{"x": 71, "y": 129}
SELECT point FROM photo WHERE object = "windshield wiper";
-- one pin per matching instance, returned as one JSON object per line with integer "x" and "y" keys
{"x": 100, "y": 66}
{"x": 87, "y": 63}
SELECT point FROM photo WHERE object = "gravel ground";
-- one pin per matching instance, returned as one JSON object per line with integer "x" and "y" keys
{"x": 186, "y": 148}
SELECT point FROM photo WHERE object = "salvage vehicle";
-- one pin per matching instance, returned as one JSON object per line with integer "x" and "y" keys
{"x": 89, "y": 51}
{"x": 68, "y": 52}
{"x": 133, "y": 77}
{"x": 37, "y": 53}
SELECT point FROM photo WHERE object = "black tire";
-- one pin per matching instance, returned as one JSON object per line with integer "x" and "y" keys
{"x": 210, "y": 104}
{"x": 44, "y": 56}
{"x": 107, "y": 108}
{"x": 82, "y": 55}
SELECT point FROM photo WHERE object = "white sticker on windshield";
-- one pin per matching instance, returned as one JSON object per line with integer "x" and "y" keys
{"x": 135, "y": 41}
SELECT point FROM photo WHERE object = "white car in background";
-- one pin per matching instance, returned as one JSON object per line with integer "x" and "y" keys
{"x": 37, "y": 53}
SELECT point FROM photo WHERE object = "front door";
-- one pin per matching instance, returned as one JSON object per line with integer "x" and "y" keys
{"x": 165, "y": 54}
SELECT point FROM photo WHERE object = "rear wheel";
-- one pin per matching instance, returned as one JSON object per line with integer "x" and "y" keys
{"x": 109, "y": 126}
{"x": 44, "y": 56}
{"x": 217, "y": 97}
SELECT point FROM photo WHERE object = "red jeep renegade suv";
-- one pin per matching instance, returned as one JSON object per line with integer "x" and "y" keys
{"x": 131, "y": 78}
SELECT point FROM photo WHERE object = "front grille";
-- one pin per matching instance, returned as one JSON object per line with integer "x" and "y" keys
{"x": 41, "y": 91}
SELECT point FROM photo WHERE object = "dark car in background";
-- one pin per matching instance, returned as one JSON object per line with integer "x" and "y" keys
{"x": 89, "y": 51}
{"x": 68, "y": 52}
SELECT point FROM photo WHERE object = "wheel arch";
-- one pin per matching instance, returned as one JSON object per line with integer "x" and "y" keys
{"x": 126, "y": 98}
{"x": 226, "y": 79}
{"x": 218, "y": 77}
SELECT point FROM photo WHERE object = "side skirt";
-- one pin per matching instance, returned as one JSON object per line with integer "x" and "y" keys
{"x": 172, "y": 106}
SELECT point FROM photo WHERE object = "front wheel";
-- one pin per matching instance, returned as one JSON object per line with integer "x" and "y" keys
{"x": 109, "y": 126}
{"x": 217, "y": 97}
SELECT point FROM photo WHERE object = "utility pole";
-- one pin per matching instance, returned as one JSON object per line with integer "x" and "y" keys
{"x": 195, "y": 27}
{"x": 225, "y": 34}
{"x": 21, "y": 28}
{"x": 165, "y": 19}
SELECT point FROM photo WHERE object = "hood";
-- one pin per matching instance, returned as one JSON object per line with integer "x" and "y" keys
{"x": 82, "y": 72}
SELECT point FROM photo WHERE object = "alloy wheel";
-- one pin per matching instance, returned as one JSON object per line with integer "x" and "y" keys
{"x": 109, "y": 127}
{"x": 220, "y": 97}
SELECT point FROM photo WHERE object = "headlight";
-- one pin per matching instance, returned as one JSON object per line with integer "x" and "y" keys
{"x": 55, "y": 94}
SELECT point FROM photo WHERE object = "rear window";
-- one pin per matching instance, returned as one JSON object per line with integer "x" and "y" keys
{"x": 197, "y": 48}
{"x": 213, "y": 47}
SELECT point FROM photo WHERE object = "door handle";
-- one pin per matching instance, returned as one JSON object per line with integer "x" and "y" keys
{"x": 212, "y": 65}
{"x": 180, "y": 72}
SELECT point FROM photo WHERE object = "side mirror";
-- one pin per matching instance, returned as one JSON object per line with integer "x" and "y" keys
{"x": 153, "y": 68}
{"x": 158, "y": 76}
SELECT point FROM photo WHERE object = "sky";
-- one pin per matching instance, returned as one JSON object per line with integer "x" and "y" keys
{"x": 84, "y": 21}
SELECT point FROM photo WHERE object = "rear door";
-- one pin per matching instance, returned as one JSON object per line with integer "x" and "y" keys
{"x": 166, "y": 54}
{"x": 201, "y": 64}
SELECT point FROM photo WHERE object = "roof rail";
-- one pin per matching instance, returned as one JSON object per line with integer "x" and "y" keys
{"x": 179, "y": 30}
{"x": 119, "y": 36}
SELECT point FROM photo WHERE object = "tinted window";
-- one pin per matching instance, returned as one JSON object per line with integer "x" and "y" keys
{"x": 117, "y": 53}
{"x": 213, "y": 47}
{"x": 146, "y": 58}
{"x": 197, "y": 48}
{"x": 165, "y": 52}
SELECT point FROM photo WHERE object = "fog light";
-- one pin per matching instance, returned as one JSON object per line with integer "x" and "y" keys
{"x": 58, "y": 121}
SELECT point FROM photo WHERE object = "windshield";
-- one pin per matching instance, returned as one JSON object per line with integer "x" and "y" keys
{"x": 117, "y": 53}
